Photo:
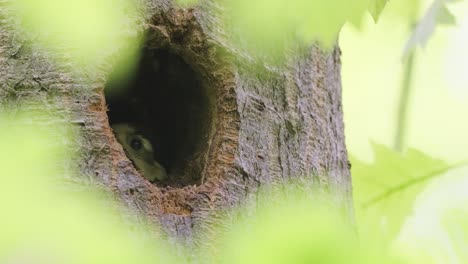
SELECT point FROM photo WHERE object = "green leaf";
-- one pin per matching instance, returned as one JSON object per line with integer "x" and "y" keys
{"x": 437, "y": 14}
{"x": 445, "y": 17}
{"x": 60, "y": 27}
{"x": 290, "y": 231}
{"x": 456, "y": 224}
{"x": 436, "y": 231}
{"x": 268, "y": 28}
{"x": 45, "y": 221}
{"x": 385, "y": 190}
{"x": 376, "y": 7}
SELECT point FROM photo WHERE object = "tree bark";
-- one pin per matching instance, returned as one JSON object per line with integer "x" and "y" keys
{"x": 255, "y": 129}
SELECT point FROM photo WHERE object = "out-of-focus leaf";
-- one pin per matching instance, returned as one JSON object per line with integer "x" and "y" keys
{"x": 84, "y": 31}
{"x": 437, "y": 230}
{"x": 291, "y": 231}
{"x": 376, "y": 7}
{"x": 456, "y": 224}
{"x": 437, "y": 14}
{"x": 42, "y": 223}
{"x": 385, "y": 190}
{"x": 445, "y": 17}
{"x": 273, "y": 27}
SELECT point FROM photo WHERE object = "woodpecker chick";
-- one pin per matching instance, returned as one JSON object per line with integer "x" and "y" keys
{"x": 140, "y": 150}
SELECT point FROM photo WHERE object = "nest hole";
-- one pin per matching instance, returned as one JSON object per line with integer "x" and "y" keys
{"x": 166, "y": 100}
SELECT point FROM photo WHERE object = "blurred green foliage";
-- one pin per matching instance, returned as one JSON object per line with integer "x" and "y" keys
{"x": 413, "y": 204}
{"x": 294, "y": 231}
{"x": 385, "y": 189}
{"x": 275, "y": 25}
{"x": 407, "y": 202}
{"x": 437, "y": 14}
{"x": 271, "y": 29}
{"x": 83, "y": 31}
{"x": 402, "y": 199}
{"x": 45, "y": 221}
{"x": 372, "y": 73}
{"x": 435, "y": 231}
{"x": 376, "y": 7}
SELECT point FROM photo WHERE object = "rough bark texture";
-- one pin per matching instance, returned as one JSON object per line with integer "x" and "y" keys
{"x": 260, "y": 129}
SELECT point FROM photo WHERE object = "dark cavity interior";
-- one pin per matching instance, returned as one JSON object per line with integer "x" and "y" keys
{"x": 166, "y": 99}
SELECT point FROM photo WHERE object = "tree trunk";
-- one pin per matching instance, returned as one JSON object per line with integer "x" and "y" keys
{"x": 225, "y": 129}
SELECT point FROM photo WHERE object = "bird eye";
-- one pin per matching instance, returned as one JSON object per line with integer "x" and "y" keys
{"x": 136, "y": 144}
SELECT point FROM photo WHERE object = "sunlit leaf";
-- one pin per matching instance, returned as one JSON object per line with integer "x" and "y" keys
{"x": 275, "y": 26}
{"x": 385, "y": 190}
{"x": 292, "y": 231}
{"x": 376, "y": 7}
{"x": 85, "y": 31}
{"x": 42, "y": 222}
{"x": 437, "y": 230}
{"x": 437, "y": 14}
{"x": 445, "y": 17}
{"x": 456, "y": 224}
